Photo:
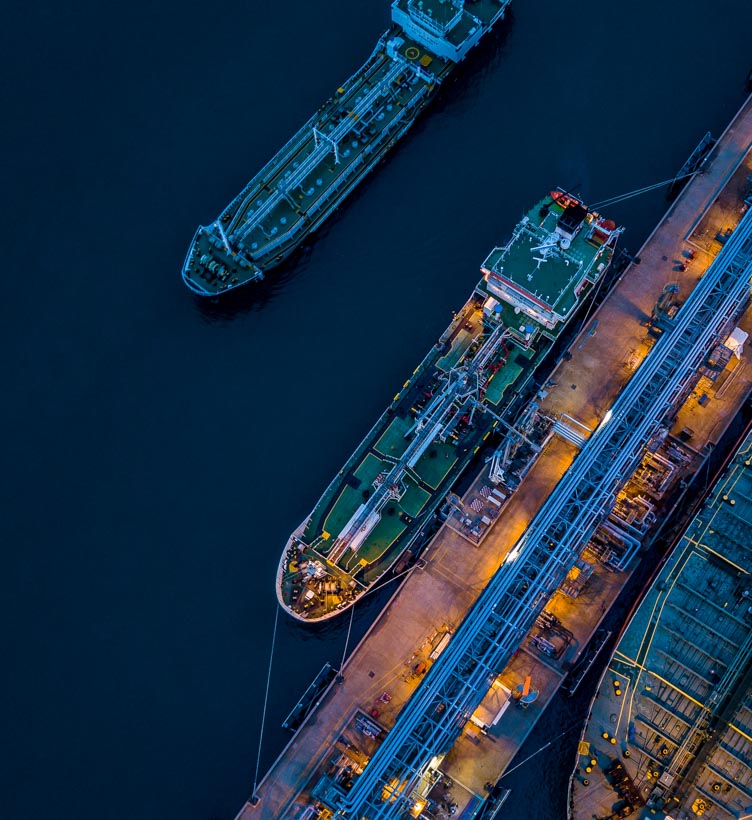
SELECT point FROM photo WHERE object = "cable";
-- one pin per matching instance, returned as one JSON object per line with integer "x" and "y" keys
{"x": 347, "y": 638}
{"x": 542, "y": 748}
{"x": 266, "y": 699}
{"x": 638, "y": 191}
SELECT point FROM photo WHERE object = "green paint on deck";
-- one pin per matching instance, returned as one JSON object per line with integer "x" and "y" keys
{"x": 414, "y": 499}
{"x": 350, "y": 499}
{"x": 393, "y": 442}
{"x": 433, "y": 469}
{"x": 508, "y": 374}
{"x": 460, "y": 345}
{"x": 384, "y": 534}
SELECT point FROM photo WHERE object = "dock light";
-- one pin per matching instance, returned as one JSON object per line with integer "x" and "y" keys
{"x": 613, "y": 741}
{"x": 607, "y": 417}
{"x": 593, "y": 762}
{"x": 605, "y": 735}
{"x": 588, "y": 769}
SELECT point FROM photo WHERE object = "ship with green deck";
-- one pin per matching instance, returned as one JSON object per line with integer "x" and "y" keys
{"x": 313, "y": 173}
{"x": 469, "y": 383}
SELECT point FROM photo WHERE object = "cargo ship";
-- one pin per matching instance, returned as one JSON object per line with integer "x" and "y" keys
{"x": 312, "y": 174}
{"x": 470, "y": 382}
{"x": 669, "y": 732}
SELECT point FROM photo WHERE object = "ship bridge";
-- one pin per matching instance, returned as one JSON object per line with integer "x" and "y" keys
{"x": 402, "y": 768}
{"x": 448, "y": 28}
{"x": 544, "y": 267}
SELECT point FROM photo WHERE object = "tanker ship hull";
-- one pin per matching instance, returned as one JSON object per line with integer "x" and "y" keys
{"x": 324, "y": 161}
{"x": 476, "y": 377}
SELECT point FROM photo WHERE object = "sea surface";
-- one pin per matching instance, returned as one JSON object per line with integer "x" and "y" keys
{"x": 159, "y": 449}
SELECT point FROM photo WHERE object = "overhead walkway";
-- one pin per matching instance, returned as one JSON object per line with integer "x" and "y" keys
{"x": 506, "y": 610}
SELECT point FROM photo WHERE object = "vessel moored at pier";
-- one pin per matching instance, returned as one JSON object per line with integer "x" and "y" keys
{"x": 312, "y": 174}
{"x": 463, "y": 620}
{"x": 465, "y": 387}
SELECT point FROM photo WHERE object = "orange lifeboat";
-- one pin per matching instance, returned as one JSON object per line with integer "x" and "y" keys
{"x": 564, "y": 200}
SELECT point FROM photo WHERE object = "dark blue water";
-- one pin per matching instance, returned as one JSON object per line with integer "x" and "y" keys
{"x": 158, "y": 450}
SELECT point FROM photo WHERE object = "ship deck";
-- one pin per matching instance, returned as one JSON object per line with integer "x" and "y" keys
{"x": 440, "y": 590}
{"x": 545, "y": 281}
{"x": 425, "y": 482}
{"x": 442, "y": 13}
{"x": 321, "y": 571}
{"x": 295, "y": 191}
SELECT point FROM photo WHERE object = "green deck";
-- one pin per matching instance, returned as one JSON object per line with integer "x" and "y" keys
{"x": 390, "y": 527}
{"x": 350, "y": 499}
{"x": 460, "y": 345}
{"x": 414, "y": 499}
{"x": 393, "y": 442}
{"x": 384, "y": 534}
{"x": 507, "y": 375}
{"x": 555, "y": 280}
{"x": 435, "y": 463}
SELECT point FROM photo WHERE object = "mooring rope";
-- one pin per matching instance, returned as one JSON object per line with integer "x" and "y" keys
{"x": 347, "y": 638}
{"x": 541, "y": 749}
{"x": 613, "y": 200}
{"x": 266, "y": 699}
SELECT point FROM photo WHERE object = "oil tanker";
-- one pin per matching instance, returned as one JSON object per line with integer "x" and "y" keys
{"x": 467, "y": 385}
{"x": 313, "y": 173}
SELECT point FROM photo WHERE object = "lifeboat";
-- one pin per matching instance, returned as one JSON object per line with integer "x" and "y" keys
{"x": 564, "y": 200}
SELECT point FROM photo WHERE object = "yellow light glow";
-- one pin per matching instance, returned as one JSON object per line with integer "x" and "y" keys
{"x": 417, "y": 808}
